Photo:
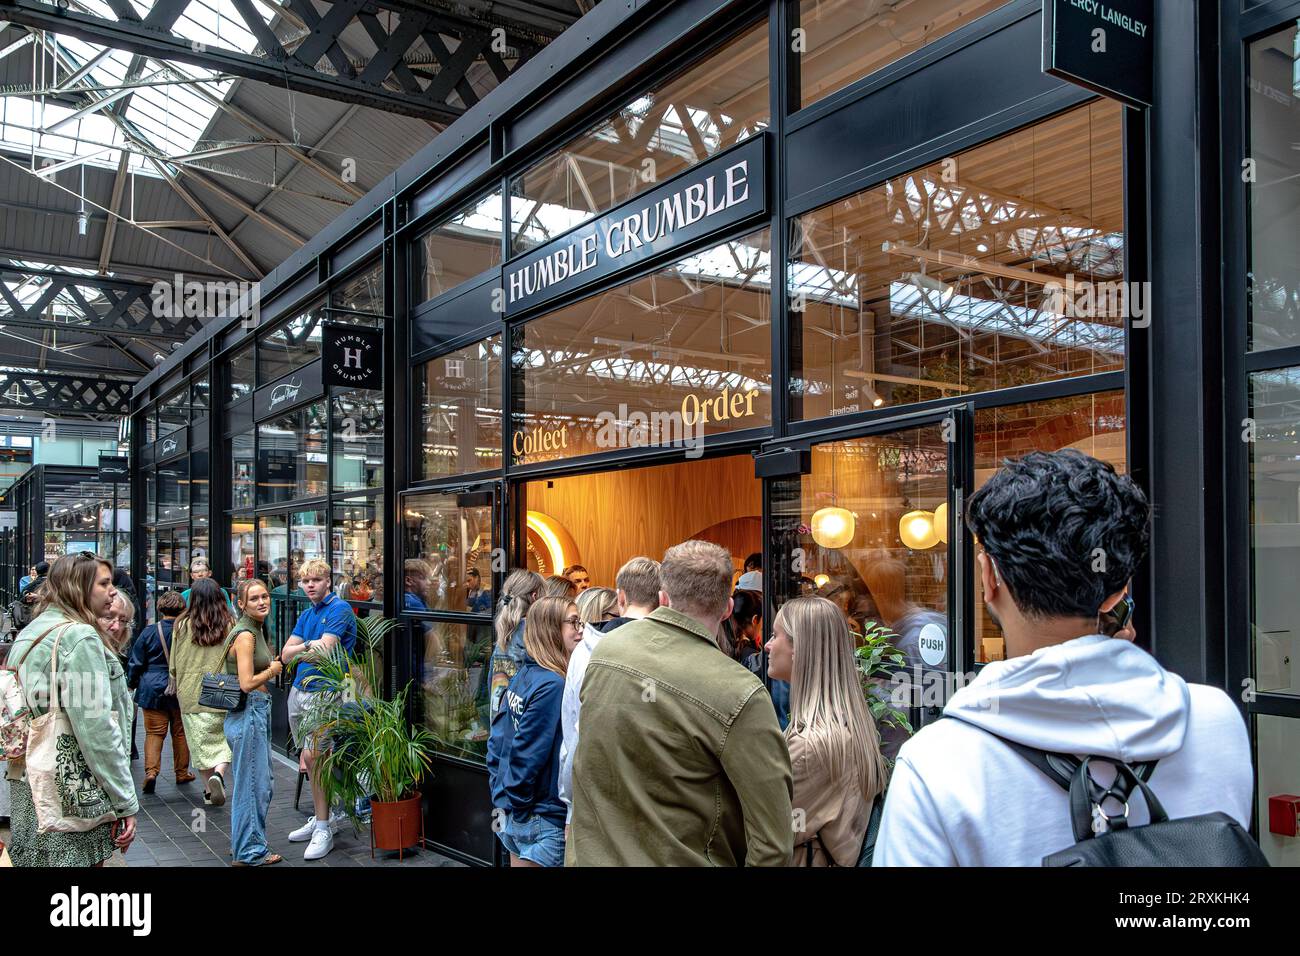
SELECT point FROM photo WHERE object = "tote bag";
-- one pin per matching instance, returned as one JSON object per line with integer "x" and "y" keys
{"x": 65, "y": 791}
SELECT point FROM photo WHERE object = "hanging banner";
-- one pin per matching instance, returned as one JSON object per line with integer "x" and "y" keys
{"x": 707, "y": 198}
{"x": 173, "y": 444}
{"x": 114, "y": 468}
{"x": 1105, "y": 47}
{"x": 352, "y": 355}
{"x": 287, "y": 391}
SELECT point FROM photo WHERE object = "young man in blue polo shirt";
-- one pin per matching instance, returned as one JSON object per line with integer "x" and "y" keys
{"x": 328, "y": 622}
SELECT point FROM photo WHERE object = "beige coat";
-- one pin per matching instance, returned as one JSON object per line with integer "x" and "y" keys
{"x": 836, "y": 809}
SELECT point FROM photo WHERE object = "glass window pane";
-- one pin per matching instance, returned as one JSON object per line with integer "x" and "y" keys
{"x": 463, "y": 246}
{"x": 358, "y": 447}
{"x": 1277, "y": 742}
{"x": 151, "y": 495}
{"x": 363, "y": 293}
{"x": 242, "y": 556}
{"x": 454, "y": 685}
{"x": 173, "y": 490}
{"x": 273, "y": 568}
{"x": 447, "y": 534}
{"x": 949, "y": 280}
{"x": 460, "y": 398}
{"x": 294, "y": 343}
{"x": 241, "y": 470}
{"x": 173, "y": 412}
{"x": 1275, "y": 529}
{"x": 358, "y": 549}
{"x": 199, "y": 481}
{"x": 1092, "y": 424}
{"x": 240, "y": 371}
{"x": 845, "y": 40}
{"x": 291, "y": 456}
{"x": 199, "y": 395}
{"x": 1275, "y": 190}
{"x": 667, "y": 359}
{"x": 696, "y": 114}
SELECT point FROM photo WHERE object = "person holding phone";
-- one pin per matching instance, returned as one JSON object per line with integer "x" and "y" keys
{"x": 248, "y": 729}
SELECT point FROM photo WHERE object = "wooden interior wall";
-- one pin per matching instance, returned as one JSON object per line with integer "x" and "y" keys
{"x": 616, "y": 515}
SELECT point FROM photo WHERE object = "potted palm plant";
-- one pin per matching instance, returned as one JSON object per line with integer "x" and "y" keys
{"x": 374, "y": 753}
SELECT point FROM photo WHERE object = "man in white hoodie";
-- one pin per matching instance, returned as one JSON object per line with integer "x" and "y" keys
{"x": 1060, "y": 536}
{"x": 638, "y": 594}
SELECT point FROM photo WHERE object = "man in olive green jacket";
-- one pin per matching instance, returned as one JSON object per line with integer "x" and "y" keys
{"x": 681, "y": 761}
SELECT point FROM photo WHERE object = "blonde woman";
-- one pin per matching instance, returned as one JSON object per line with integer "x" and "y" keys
{"x": 520, "y": 590}
{"x": 524, "y": 747}
{"x": 597, "y": 606}
{"x": 834, "y": 746}
{"x": 78, "y": 591}
{"x": 198, "y": 647}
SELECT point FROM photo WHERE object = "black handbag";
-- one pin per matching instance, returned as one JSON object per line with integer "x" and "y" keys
{"x": 221, "y": 691}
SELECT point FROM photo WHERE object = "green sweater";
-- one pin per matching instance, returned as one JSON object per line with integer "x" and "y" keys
{"x": 681, "y": 761}
{"x": 189, "y": 663}
{"x": 91, "y": 678}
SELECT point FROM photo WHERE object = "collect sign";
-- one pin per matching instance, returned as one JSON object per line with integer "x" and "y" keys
{"x": 114, "y": 468}
{"x": 706, "y": 198}
{"x": 353, "y": 356}
{"x": 1105, "y": 47}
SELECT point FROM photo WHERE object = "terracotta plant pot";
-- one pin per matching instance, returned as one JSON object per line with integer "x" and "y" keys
{"x": 396, "y": 826}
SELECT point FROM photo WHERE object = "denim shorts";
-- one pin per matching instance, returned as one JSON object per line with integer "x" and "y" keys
{"x": 534, "y": 839}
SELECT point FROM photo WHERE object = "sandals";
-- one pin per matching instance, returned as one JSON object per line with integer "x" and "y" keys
{"x": 268, "y": 860}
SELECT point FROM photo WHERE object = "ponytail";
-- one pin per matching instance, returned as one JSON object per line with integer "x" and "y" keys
{"x": 516, "y": 597}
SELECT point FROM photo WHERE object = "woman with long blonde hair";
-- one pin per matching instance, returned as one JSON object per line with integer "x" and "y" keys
{"x": 834, "y": 745}
{"x": 524, "y": 747}
{"x": 521, "y": 588}
{"x": 93, "y": 695}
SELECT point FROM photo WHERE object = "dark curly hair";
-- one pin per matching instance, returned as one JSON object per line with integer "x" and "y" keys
{"x": 1065, "y": 531}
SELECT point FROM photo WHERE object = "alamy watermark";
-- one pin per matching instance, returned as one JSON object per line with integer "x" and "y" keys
{"x": 1084, "y": 299}
{"x": 182, "y": 298}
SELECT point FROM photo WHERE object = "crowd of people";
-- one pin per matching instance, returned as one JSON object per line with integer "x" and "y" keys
{"x": 634, "y": 725}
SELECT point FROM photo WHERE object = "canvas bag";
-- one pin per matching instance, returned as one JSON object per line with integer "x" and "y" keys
{"x": 15, "y": 715}
{"x": 67, "y": 796}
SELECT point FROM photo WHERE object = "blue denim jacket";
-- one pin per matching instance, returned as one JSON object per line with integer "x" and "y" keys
{"x": 524, "y": 748}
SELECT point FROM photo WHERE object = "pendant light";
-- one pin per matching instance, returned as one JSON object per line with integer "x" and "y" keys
{"x": 941, "y": 522}
{"x": 916, "y": 529}
{"x": 833, "y": 527}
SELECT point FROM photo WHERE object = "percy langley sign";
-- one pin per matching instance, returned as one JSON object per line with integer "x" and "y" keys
{"x": 288, "y": 391}
{"x": 708, "y": 197}
{"x": 1102, "y": 45}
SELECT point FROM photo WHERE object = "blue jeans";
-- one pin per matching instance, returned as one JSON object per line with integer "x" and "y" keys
{"x": 248, "y": 733}
{"x": 534, "y": 839}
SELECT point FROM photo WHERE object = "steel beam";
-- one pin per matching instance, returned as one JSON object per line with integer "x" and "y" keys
{"x": 396, "y": 91}
{"x": 126, "y": 312}
{"x": 88, "y": 395}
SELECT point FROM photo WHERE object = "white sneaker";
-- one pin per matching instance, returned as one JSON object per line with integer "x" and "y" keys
{"x": 304, "y": 832}
{"x": 322, "y": 841}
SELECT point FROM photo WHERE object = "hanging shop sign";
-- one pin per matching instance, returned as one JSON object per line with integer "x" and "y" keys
{"x": 173, "y": 444}
{"x": 352, "y": 355}
{"x": 287, "y": 391}
{"x": 115, "y": 468}
{"x": 705, "y": 199}
{"x": 1105, "y": 47}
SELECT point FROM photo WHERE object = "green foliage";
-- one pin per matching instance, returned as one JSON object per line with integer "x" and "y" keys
{"x": 877, "y": 660}
{"x": 370, "y": 748}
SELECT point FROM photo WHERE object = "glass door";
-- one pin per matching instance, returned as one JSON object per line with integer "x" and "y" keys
{"x": 871, "y": 525}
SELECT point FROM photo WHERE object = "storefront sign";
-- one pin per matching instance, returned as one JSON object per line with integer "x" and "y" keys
{"x": 707, "y": 198}
{"x": 288, "y": 391}
{"x": 115, "y": 468}
{"x": 539, "y": 440}
{"x": 172, "y": 444}
{"x": 352, "y": 355}
{"x": 728, "y": 405}
{"x": 1105, "y": 47}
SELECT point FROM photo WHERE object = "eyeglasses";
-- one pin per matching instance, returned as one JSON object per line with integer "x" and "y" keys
{"x": 574, "y": 621}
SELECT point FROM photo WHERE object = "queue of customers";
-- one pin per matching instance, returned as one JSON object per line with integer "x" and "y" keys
{"x": 77, "y": 644}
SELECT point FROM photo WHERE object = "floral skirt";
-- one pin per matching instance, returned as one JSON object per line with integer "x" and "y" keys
{"x": 206, "y": 735}
{"x": 30, "y": 848}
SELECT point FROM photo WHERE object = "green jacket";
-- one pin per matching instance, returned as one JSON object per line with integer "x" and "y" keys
{"x": 92, "y": 692}
{"x": 681, "y": 761}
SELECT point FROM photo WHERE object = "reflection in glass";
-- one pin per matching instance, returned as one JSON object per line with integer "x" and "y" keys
{"x": 1274, "y": 192}
{"x": 273, "y": 568}
{"x": 460, "y": 399}
{"x": 679, "y": 355}
{"x": 461, "y": 247}
{"x": 447, "y": 534}
{"x": 363, "y": 293}
{"x": 358, "y": 549}
{"x": 173, "y": 490}
{"x": 240, "y": 371}
{"x": 720, "y": 101}
{"x": 358, "y": 447}
{"x": 173, "y": 412}
{"x": 1277, "y": 743}
{"x": 1092, "y": 424}
{"x": 242, "y": 557}
{"x": 1275, "y": 529}
{"x": 241, "y": 471}
{"x": 293, "y": 343}
{"x": 845, "y": 40}
{"x": 454, "y": 685}
{"x": 952, "y": 279}
{"x": 291, "y": 459}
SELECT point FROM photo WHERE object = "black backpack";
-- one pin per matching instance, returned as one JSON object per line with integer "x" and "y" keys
{"x": 1211, "y": 839}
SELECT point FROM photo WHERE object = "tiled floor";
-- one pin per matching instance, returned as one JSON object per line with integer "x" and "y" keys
{"x": 174, "y": 828}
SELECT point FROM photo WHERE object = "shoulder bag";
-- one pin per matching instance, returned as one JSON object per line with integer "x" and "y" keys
{"x": 15, "y": 715}
{"x": 221, "y": 691}
{"x": 170, "y": 691}
{"x": 65, "y": 791}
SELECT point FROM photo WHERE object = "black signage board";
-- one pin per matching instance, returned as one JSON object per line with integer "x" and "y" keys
{"x": 1102, "y": 45}
{"x": 173, "y": 444}
{"x": 114, "y": 468}
{"x": 705, "y": 199}
{"x": 352, "y": 355}
{"x": 287, "y": 391}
